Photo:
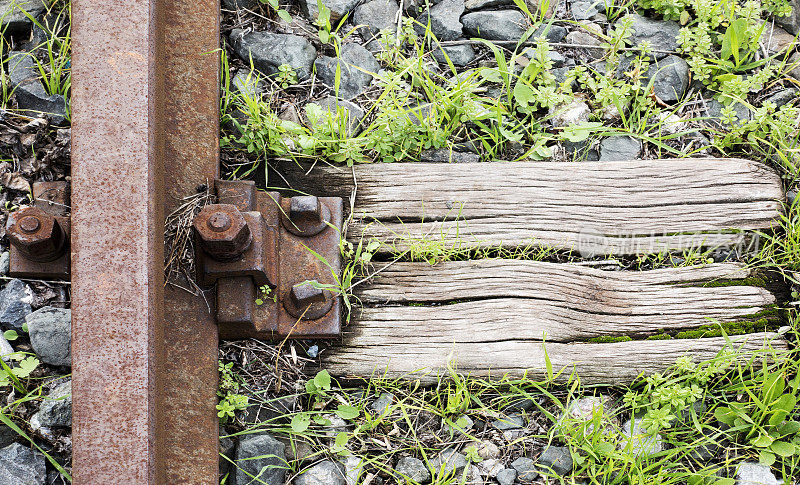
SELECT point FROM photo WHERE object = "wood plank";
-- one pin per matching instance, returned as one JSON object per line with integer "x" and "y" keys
{"x": 607, "y": 364}
{"x": 629, "y": 207}
{"x": 493, "y": 314}
{"x": 533, "y": 300}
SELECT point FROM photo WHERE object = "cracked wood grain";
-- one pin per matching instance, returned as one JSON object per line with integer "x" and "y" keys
{"x": 629, "y": 207}
{"x": 484, "y": 312}
{"x": 607, "y": 364}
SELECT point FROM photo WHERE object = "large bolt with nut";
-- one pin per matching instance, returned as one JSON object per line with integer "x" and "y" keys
{"x": 222, "y": 231}
{"x": 36, "y": 234}
{"x": 308, "y": 301}
{"x": 305, "y": 215}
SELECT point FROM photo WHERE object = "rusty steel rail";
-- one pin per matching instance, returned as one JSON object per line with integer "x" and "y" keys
{"x": 144, "y": 135}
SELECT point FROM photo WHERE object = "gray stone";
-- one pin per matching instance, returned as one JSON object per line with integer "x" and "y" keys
{"x": 513, "y": 421}
{"x": 261, "y": 456}
{"x": 661, "y": 35}
{"x": 641, "y": 443}
{"x": 338, "y": 8}
{"x": 755, "y": 474}
{"x": 5, "y": 261}
{"x": 20, "y": 465}
{"x": 670, "y": 78}
{"x": 375, "y": 16}
{"x": 323, "y": 473}
{"x": 572, "y": 113}
{"x": 553, "y": 33}
{"x": 12, "y": 14}
{"x": 7, "y": 435}
{"x": 495, "y": 24}
{"x": 56, "y": 409}
{"x": 780, "y": 98}
{"x": 15, "y": 304}
{"x": 353, "y": 469}
{"x": 335, "y": 425}
{"x": 506, "y": 476}
{"x": 583, "y": 37}
{"x": 460, "y": 55}
{"x": 520, "y": 404}
{"x": 714, "y": 112}
{"x": 29, "y": 91}
{"x": 617, "y": 148}
{"x": 791, "y": 22}
{"x": 5, "y": 350}
{"x": 526, "y": 469}
{"x": 239, "y": 4}
{"x": 443, "y": 19}
{"x": 794, "y": 66}
{"x": 354, "y": 116}
{"x": 270, "y": 51}
{"x": 382, "y": 403}
{"x": 247, "y": 83}
{"x": 586, "y": 9}
{"x": 357, "y": 65}
{"x": 445, "y": 155}
{"x": 450, "y": 460}
{"x": 488, "y": 450}
{"x": 776, "y": 40}
{"x": 470, "y": 5}
{"x": 413, "y": 469}
{"x": 557, "y": 459}
{"x": 49, "y": 329}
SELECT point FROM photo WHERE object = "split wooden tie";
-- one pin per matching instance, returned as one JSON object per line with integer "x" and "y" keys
{"x": 490, "y": 317}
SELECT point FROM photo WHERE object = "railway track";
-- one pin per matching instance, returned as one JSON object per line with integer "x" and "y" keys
{"x": 145, "y": 101}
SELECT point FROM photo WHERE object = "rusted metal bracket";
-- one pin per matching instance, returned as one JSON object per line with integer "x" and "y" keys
{"x": 40, "y": 234}
{"x": 275, "y": 261}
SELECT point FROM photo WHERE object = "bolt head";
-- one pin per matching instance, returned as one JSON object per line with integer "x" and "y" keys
{"x": 36, "y": 234}
{"x": 222, "y": 231}
{"x": 305, "y": 209}
{"x": 305, "y": 294}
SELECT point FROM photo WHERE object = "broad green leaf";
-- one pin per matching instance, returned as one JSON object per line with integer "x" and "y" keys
{"x": 340, "y": 443}
{"x": 763, "y": 441}
{"x": 782, "y": 448}
{"x": 781, "y": 409}
{"x": 725, "y": 415}
{"x": 347, "y": 412}
{"x": 789, "y": 428}
{"x": 10, "y": 335}
{"x": 323, "y": 380}
{"x": 523, "y": 94}
{"x": 300, "y": 422}
{"x": 766, "y": 458}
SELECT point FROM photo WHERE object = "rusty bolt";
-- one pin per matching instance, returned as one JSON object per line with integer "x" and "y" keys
{"x": 307, "y": 216}
{"x": 222, "y": 231}
{"x": 307, "y": 300}
{"x": 36, "y": 234}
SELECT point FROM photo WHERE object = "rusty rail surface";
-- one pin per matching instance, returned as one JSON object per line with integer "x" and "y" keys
{"x": 117, "y": 246}
{"x": 145, "y": 114}
{"x": 191, "y": 128}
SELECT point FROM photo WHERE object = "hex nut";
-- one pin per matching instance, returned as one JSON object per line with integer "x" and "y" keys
{"x": 36, "y": 234}
{"x": 307, "y": 301}
{"x": 222, "y": 231}
{"x": 305, "y": 215}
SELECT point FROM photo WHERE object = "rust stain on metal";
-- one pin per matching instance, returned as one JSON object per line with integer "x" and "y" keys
{"x": 50, "y": 236}
{"x": 145, "y": 134}
{"x": 312, "y": 314}
{"x": 190, "y": 61}
{"x": 117, "y": 244}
